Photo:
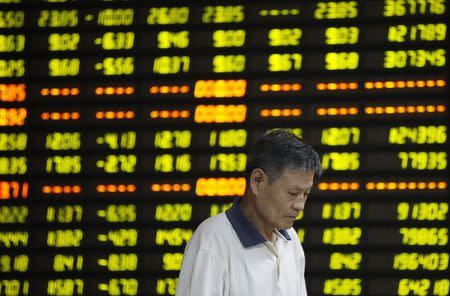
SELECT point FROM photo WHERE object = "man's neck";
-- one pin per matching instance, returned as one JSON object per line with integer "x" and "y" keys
{"x": 249, "y": 210}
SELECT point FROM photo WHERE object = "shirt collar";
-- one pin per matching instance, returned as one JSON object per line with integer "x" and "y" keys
{"x": 246, "y": 231}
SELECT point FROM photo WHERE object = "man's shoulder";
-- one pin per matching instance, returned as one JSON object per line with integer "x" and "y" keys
{"x": 213, "y": 224}
{"x": 213, "y": 233}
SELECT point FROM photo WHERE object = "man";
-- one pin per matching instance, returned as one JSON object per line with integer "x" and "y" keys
{"x": 252, "y": 249}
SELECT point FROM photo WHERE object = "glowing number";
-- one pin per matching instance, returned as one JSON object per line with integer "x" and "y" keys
{"x": 13, "y": 214}
{"x": 228, "y": 38}
{"x": 64, "y": 238}
{"x": 168, "y": 39}
{"x": 228, "y": 63}
{"x": 341, "y": 35}
{"x": 285, "y": 62}
{"x": 117, "y": 66}
{"x": 341, "y": 61}
{"x": 424, "y": 236}
{"x": 173, "y": 139}
{"x": 63, "y": 42}
{"x": 173, "y": 212}
{"x": 336, "y": 136}
{"x": 64, "y": 214}
{"x": 12, "y": 142}
{"x": 11, "y": 19}
{"x": 116, "y": 40}
{"x": 336, "y": 10}
{"x": 342, "y": 286}
{"x": 58, "y": 18}
{"x": 220, "y": 113}
{"x": 419, "y": 32}
{"x": 173, "y": 237}
{"x": 345, "y": 161}
{"x": 63, "y": 164}
{"x": 418, "y": 134}
{"x": 339, "y": 261}
{"x": 171, "y": 65}
{"x": 285, "y": 37}
{"x": 115, "y": 17}
{"x": 414, "y": 58}
{"x": 342, "y": 235}
{"x": 423, "y": 160}
{"x": 13, "y": 165}
{"x": 63, "y": 141}
{"x": 64, "y": 67}
{"x": 65, "y": 287}
{"x": 12, "y": 68}
{"x": 228, "y": 138}
{"x": 341, "y": 211}
{"x": 422, "y": 211}
{"x": 414, "y": 7}
{"x": 232, "y": 162}
{"x": 220, "y": 88}
{"x": 167, "y": 163}
{"x": 223, "y": 14}
{"x": 12, "y": 43}
{"x": 166, "y": 286}
{"x": 168, "y": 15}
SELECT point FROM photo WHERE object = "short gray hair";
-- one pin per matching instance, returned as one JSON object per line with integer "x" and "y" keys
{"x": 279, "y": 149}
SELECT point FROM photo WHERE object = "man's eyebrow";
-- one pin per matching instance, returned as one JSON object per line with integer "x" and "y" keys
{"x": 296, "y": 187}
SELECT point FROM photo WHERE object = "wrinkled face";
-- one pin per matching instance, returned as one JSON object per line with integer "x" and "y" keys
{"x": 281, "y": 201}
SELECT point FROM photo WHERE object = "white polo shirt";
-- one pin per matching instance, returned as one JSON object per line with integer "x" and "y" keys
{"x": 227, "y": 256}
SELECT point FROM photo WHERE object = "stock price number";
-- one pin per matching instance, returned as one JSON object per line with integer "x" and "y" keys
{"x": 122, "y": 163}
{"x": 414, "y": 58}
{"x": 418, "y": 32}
{"x": 115, "y": 17}
{"x": 167, "y": 139}
{"x": 64, "y": 67}
{"x": 423, "y": 211}
{"x": 341, "y": 35}
{"x": 413, "y": 7}
{"x": 13, "y": 141}
{"x": 229, "y": 38}
{"x": 167, "y": 39}
{"x": 341, "y": 61}
{"x": 116, "y": 66}
{"x": 336, "y": 10}
{"x": 63, "y": 41}
{"x": 422, "y": 287}
{"x": 423, "y": 160}
{"x": 12, "y": 43}
{"x": 424, "y": 236}
{"x": 223, "y": 14}
{"x": 63, "y": 164}
{"x": 284, "y": 62}
{"x": 12, "y": 68}
{"x": 342, "y": 286}
{"x": 58, "y": 18}
{"x": 120, "y": 286}
{"x": 120, "y": 213}
{"x": 116, "y": 40}
{"x": 231, "y": 162}
{"x": 168, "y": 15}
{"x": 167, "y": 163}
{"x": 11, "y": 19}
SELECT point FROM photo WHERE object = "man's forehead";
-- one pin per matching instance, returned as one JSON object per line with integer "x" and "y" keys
{"x": 300, "y": 178}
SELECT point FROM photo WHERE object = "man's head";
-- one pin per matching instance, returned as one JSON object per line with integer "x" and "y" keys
{"x": 281, "y": 170}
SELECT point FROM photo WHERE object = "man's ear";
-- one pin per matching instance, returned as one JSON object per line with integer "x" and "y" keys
{"x": 257, "y": 178}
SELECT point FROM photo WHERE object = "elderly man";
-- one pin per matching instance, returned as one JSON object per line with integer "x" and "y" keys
{"x": 252, "y": 249}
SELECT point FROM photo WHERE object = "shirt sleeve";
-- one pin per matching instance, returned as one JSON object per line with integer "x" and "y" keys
{"x": 202, "y": 274}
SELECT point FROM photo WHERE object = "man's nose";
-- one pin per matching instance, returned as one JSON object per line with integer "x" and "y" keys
{"x": 299, "y": 206}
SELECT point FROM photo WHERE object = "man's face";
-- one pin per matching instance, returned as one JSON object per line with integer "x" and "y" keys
{"x": 282, "y": 200}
